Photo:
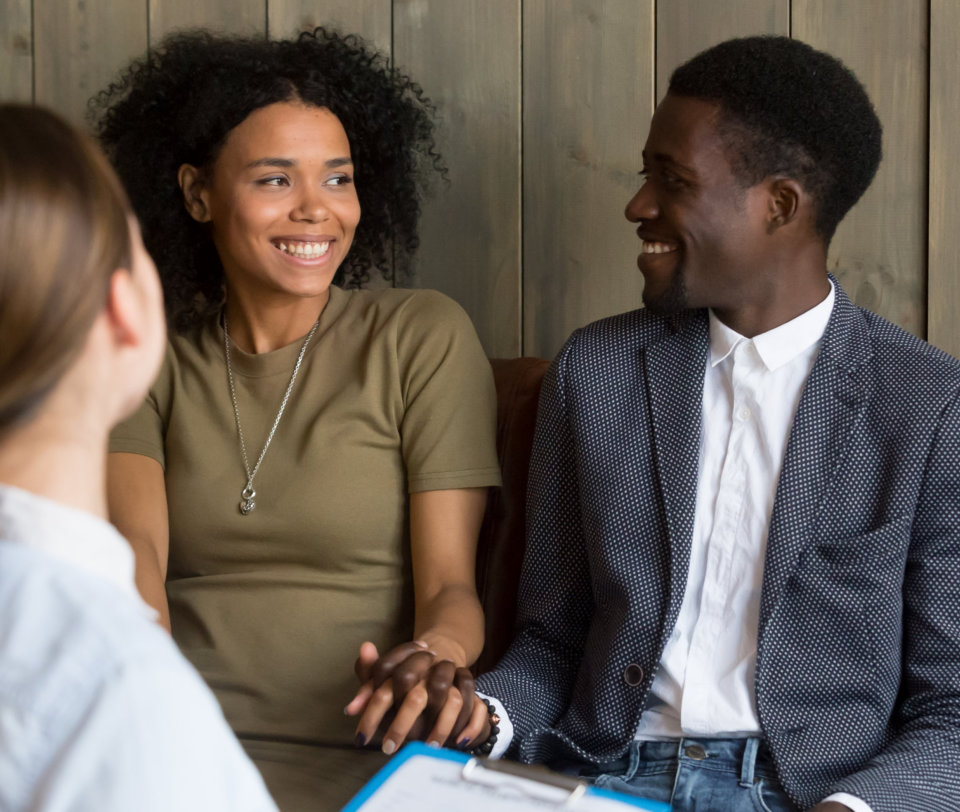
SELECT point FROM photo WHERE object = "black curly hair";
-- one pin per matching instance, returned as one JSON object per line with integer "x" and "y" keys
{"x": 178, "y": 104}
{"x": 789, "y": 109}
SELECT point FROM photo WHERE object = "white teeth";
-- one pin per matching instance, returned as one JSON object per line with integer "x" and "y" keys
{"x": 306, "y": 250}
{"x": 656, "y": 247}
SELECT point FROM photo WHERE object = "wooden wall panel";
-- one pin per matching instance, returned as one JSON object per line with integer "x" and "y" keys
{"x": 16, "y": 51}
{"x": 944, "y": 247}
{"x": 247, "y": 17}
{"x": 587, "y": 99}
{"x": 371, "y": 19}
{"x": 81, "y": 47}
{"x": 879, "y": 251}
{"x": 686, "y": 27}
{"x": 470, "y": 233}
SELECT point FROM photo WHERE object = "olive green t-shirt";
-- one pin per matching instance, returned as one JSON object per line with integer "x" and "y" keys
{"x": 394, "y": 395}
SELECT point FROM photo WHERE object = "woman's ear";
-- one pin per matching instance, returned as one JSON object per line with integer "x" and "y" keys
{"x": 786, "y": 198}
{"x": 194, "y": 190}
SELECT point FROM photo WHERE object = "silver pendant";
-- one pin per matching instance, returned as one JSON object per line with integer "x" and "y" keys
{"x": 247, "y": 503}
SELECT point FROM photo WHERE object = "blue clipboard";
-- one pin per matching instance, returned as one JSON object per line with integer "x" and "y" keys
{"x": 470, "y": 770}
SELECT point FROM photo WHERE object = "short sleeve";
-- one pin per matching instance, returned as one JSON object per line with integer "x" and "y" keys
{"x": 144, "y": 431}
{"x": 448, "y": 431}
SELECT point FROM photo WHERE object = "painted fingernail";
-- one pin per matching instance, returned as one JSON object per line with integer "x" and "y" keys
{"x": 433, "y": 743}
{"x": 361, "y": 740}
{"x": 463, "y": 742}
{"x": 420, "y": 643}
{"x": 389, "y": 747}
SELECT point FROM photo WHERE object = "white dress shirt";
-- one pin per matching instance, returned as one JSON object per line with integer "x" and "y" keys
{"x": 99, "y": 712}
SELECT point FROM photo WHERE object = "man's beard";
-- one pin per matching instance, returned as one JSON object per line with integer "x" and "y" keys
{"x": 673, "y": 300}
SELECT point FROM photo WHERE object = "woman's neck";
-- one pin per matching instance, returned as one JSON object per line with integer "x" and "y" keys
{"x": 56, "y": 461}
{"x": 258, "y": 325}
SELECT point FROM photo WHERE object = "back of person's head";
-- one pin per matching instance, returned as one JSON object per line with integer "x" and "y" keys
{"x": 787, "y": 109}
{"x": 64, "y": 230}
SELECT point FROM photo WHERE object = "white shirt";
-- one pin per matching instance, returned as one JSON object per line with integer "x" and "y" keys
{"x": 705, "y": 683}
{"x": 99, "y": 712}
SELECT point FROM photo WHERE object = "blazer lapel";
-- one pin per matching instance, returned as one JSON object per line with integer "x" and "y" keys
{"x": 674, "y": 370}
{"x": 830, "y": 408}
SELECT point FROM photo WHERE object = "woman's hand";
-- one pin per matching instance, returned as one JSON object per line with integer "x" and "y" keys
{"x": 426, "y": 697}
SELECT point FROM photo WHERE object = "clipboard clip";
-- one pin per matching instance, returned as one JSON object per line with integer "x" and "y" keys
{"x": 474, "y": 770}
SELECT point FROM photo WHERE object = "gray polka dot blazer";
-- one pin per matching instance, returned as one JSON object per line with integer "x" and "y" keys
{"x": 858, "y": 668}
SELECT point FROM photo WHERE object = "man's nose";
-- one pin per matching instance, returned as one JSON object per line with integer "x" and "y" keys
{"x": 643, "y": 205}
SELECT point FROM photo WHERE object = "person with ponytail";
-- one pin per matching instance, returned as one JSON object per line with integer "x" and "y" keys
{"x": 98, "y": 710}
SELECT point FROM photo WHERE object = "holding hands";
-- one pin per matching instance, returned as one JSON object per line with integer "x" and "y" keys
{"x": 416, "y": 694}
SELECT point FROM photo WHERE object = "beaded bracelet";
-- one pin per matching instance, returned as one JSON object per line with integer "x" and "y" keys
{"x": 484, "y": 748}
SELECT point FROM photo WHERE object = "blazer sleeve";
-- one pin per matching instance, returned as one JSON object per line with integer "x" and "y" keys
{"x": 917, "y": 770}
{"x": 535, "y": 678}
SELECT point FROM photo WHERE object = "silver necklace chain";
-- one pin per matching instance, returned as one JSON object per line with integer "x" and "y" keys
{"x": 248, "y": 494}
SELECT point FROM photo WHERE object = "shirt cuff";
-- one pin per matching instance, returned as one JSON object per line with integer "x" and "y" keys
{"x": 849, "y": 800}
{"x": 505, "y": 736}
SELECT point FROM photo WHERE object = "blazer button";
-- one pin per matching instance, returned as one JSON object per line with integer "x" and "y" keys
{"x": 633, "y": 675}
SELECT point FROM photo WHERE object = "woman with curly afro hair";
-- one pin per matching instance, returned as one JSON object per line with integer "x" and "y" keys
{"x": 309, "y": 471}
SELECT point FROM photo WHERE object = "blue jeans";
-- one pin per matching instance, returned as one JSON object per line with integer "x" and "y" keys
{"x": 695, "y": 775}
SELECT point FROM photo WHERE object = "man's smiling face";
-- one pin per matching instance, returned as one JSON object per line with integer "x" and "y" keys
{"x": 703, "y": 234}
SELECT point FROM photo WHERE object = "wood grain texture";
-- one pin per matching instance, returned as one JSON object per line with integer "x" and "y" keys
{"x": 470, "y": 230}
{"x": 587, "y": 101}
{"x": 16, "y": 51}
{"x": 81, "y": 46}
{"x": 943, "y": 283}
{"x": 247, "y": 17}
{"x": 879, "y": 252}
{"x": 686, "y": 27}
{"x": 371, "y": 19}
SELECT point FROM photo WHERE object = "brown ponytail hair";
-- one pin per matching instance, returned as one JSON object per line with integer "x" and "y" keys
{"x": 64, "y": 230}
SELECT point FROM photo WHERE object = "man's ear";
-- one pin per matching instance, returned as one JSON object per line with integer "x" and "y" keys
{"x": 194, "y": 189}
{"x": 784, "y": 202}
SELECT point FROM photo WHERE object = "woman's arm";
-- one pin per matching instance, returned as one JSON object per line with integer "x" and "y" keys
{"x": 137, "y": 501}
{"x": 444, "y": 526}
{"x": 448, "y": 624}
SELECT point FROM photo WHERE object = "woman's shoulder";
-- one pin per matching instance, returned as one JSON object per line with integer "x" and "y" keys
{"x": 416, "y": 305}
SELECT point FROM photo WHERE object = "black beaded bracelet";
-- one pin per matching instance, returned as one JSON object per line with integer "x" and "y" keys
{"x": 484, "y": 748}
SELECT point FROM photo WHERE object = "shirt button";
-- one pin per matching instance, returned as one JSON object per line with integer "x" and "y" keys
{"x": 633, "y": 675}
{"x": 744, "y": 413}
{"x": 695, "y": 751}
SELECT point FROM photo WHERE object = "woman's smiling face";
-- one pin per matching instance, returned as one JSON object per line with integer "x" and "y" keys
{"x": 281, "y": 200}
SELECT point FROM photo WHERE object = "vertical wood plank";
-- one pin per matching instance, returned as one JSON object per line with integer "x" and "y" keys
{"x": 466, "y": 55}
{"x": 80, "y": 48}
{"x": 16, "y": 51}
{"x": 371, "y": 19}
{"x": 879, "y": 252}
{"x": 686, "y": 27}
{"x": 944, "y": 249}
{"x": 247, "y": 17}
{"x": 587, "y": 100}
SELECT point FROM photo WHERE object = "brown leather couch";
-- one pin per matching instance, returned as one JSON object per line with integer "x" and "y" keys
{"x": 501, "y": 544}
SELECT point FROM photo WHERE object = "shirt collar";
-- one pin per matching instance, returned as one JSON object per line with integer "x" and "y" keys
{"x": 72, "y": 536}
{"x": 780, "y": 345}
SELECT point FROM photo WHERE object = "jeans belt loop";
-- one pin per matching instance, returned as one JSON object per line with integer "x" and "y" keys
{"x": 749, "y": 762}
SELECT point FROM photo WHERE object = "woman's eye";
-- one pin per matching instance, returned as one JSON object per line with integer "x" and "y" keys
{"x": 274, "y": 180}
{"x": 340, "y": 180}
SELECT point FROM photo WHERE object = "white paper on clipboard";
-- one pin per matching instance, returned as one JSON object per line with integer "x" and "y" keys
{"x": 420, "y": 778}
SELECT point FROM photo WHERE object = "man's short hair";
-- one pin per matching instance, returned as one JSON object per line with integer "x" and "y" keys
{"x": 787, "y": 109}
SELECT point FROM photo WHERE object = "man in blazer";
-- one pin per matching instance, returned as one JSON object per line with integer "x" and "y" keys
{"x": 742, "y": 582}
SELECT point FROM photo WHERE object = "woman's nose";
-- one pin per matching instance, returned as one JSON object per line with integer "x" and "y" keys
{"x": 311, "y": 207}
